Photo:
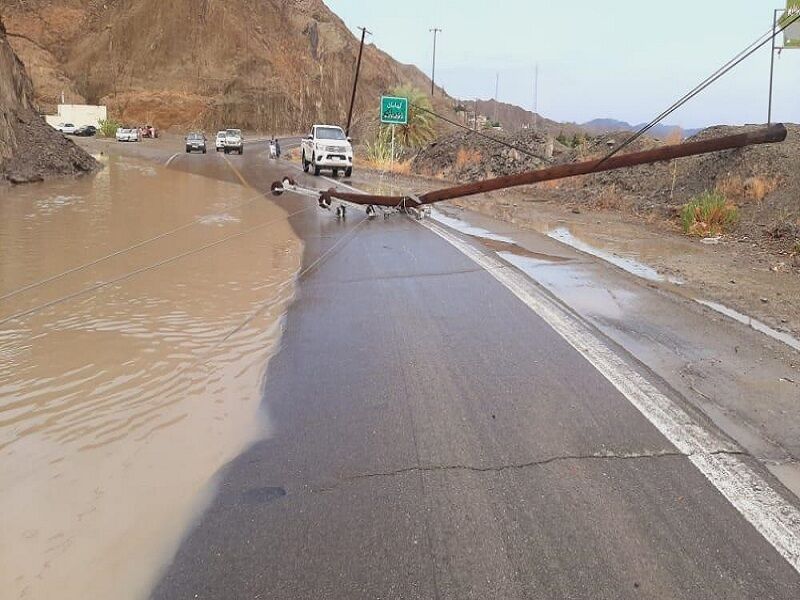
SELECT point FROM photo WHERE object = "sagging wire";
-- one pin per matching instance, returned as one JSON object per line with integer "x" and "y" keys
{"x": 743, "y": 55}
{"x": 721, "y": 71}
{"x": 476, "y": 132}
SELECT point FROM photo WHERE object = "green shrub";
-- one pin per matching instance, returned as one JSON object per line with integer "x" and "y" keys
{"x": 708, "y": 214}
{"x": 380, "y": 150}
{"x": 108, "y": 127}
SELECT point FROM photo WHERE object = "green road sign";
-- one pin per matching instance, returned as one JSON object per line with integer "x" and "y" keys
{"x": 394, "y": 111}
{"x": 791, "y": 33}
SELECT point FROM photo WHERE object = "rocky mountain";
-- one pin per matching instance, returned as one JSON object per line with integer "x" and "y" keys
{"x": 514, "y": 118}
{"x": 271, "y": 65}
{"x": 661, "y": 132}
{"x": 30, "y": 150}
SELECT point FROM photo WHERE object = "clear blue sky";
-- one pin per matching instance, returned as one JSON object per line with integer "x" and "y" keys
{"x": 625, "y": 59}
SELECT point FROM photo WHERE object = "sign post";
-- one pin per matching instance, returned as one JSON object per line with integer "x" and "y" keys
{"x": 394, "y": 111}
{"x": 391, "y": 162}
{"x": 789, "y": 22}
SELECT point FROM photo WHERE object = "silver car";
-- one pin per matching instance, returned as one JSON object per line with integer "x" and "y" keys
{"x": 196, "y": 142}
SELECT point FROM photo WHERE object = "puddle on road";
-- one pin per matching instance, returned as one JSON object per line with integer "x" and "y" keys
{"x": 596, "y": 299}
{"x": 567, "y": 281}
{"x": 576, "y": 287}
{"x": 467, "y": 228}
{"x": 512, "y": 248}
{"x": 118, "y": 406}
{"x": 559, "y": 231}
{"x": 788, "y": 474}
{"x": 564, "y": 235}
{"x": 781, "y": 336}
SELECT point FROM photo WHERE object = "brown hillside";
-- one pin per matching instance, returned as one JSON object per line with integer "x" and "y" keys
{"x": 515, "y": 118}
{"x": 271, "y": 65}
{"x": 30, "y": 150}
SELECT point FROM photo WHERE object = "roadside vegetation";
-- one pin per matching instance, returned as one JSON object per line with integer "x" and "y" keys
{"x": 754, "y": 189}
{"x": 709, "y": 214}
{"x": 417, "y": 133}
{"x": 108, "y": 127}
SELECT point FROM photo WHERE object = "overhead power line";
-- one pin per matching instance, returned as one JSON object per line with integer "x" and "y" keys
{"x": 476, "y": 132}
{"x": 741, "y": 56}
{"x": 751, "y": 49}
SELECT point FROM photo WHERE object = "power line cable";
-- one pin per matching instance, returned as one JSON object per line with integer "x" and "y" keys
{"x": 723, "y": 70}
{"x": 478, "y": 133}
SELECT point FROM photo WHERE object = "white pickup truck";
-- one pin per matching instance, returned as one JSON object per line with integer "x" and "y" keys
{"x": 327, "y": 147}
{"x": 234, "y": 141}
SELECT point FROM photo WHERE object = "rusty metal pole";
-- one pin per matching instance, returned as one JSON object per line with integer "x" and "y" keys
{"x": 767, "y": 135}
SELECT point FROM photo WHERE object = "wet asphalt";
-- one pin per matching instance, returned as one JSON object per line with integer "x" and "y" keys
{"x": 432, "y": 437}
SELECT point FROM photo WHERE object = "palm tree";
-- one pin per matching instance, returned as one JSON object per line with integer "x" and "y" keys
{"x": 419, "y": 129}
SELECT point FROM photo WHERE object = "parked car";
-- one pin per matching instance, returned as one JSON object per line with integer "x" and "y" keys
{"x": 150, "y": 132}
{"x": 327, "y": 147}
{"x": 219, "y": 144}
{"x": 67, "y": 128}
{"x": 234, "y": 141}
{"x": 196, "y": 141}
{"x": 125, "y": 134}
{"x": 86, "y": 131}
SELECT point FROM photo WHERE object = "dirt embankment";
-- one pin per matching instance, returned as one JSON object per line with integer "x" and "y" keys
{"x": 30, "y": 150}
{"x": 762, "y": 181}
{"x": 267, "y": 65}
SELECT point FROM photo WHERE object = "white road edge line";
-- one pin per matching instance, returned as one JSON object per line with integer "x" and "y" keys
{"x": 776, "y": 519}
{"x": 171, "y": 158}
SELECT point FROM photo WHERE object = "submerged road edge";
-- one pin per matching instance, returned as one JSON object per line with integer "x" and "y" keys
{"x": 776, "y": 519}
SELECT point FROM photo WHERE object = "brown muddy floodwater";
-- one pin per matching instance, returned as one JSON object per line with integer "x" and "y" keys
{"x": 127, "y": 382}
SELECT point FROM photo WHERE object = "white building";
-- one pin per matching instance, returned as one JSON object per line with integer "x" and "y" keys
{"x": 78, "y": 114}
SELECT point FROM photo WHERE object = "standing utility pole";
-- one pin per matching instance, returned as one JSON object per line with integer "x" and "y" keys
{"x": 364, "y": 32}
{"x": 536, "y": 97}
{"x": 496, "y": 91}
{"x": 434, "y": 30}
{"x": 772, "y": 62}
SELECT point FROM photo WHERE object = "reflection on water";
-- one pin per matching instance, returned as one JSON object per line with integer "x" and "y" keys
{"x": 573, "y": 284}
{"x": 467, "y": 228}
{"x": 118, "y": 405}
{"x": 631, "y": 265}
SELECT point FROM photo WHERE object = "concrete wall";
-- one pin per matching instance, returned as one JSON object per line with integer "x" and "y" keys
{"x": 78, "y": 114}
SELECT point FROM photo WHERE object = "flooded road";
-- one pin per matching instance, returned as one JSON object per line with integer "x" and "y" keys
{"x": 138, "y": 310}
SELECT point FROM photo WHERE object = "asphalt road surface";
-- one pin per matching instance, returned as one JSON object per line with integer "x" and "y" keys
{"x": 435, "y": 437}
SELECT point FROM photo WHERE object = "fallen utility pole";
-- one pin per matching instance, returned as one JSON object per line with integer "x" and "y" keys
{"x": 767, "y": 135}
